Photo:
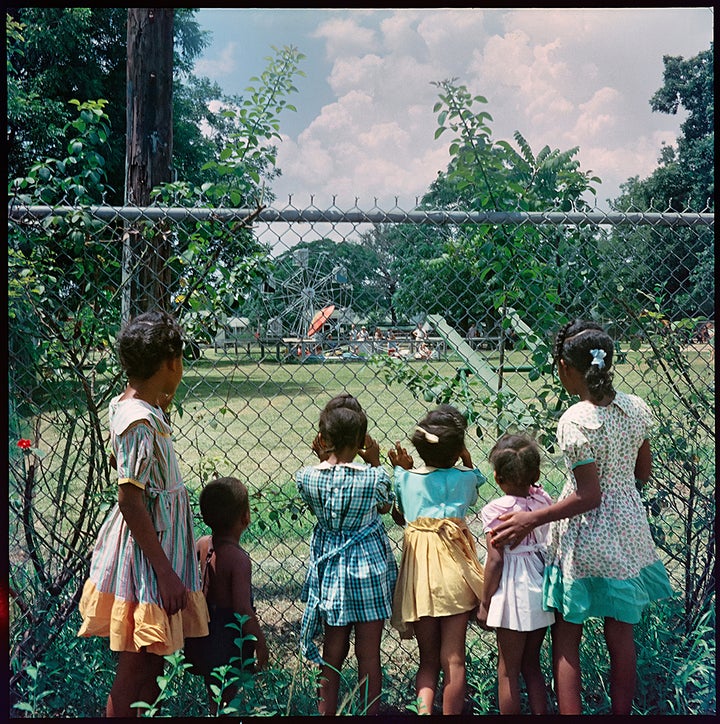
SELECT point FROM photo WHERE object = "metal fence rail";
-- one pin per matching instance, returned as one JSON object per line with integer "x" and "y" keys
{"x": 247, "y": 283}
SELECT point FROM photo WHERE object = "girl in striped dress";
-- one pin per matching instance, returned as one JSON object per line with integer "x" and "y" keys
{"x": 352, "y": 571}
{"x": 144, "y": 591}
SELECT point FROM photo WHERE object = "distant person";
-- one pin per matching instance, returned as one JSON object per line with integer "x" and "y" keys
{"x": 512, "y": 601}
{"x": 601, "y": 560}
{"x": 440, "y": 580}
{"x": 227, "y": 584}
{"x": 392, "y": 346}
{"x": 352, "y": 571}
{"x": 143, "y": 592}
{"x": 424, "y": 351}
{"x": 419, "y": 333}
{"x": 472, "y": 335}
{"x": 379, "y": 334}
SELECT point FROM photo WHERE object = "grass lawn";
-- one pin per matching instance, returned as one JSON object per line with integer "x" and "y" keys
{"x": 256, "y": 419}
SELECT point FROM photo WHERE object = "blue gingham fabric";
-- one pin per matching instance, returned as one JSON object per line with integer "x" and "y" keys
{"x": 352, "y": 571}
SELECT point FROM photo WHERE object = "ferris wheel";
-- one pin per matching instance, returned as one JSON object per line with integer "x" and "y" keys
{"x": 302, "y": 287}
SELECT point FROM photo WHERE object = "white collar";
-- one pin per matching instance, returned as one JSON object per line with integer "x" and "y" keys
{"x": 325, "y": 465}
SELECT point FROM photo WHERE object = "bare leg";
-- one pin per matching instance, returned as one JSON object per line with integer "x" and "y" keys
{"x": 511, "y": 646}
{"x": 566, "y": 638}
{"x": 623, "y": 666}
{"x": 367, "y": 651}
{"x": 427, "y": 632}
{"x": 135, "y": 680}
{"x": 452, "y": 661}
{"x": 335, "y": 651}
{"x": 532, "y": 673}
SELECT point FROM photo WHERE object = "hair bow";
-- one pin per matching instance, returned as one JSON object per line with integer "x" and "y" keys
{"x": 598, "y": 357}
{"x": 430, "y": 437}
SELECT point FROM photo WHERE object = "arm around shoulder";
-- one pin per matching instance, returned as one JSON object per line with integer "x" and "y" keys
{"x": 585, "y": 497}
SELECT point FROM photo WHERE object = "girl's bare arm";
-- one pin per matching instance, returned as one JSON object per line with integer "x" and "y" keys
{"x": 491, "y": 578}
{"x": 586, "y": 496}
{"x": 643, "y": 463}
{"x": 173, "y": 593}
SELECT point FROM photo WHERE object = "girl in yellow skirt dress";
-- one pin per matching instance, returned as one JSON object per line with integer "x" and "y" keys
{"x": 144, "y": 591}
{"x": 440, "y": 581}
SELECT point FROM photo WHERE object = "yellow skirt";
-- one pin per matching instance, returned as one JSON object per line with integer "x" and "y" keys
{"x": 440, "y": 574}
{"x": 136, "y": 626}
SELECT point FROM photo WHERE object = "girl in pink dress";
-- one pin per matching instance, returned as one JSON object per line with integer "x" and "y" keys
{"x": 513, "y": 588}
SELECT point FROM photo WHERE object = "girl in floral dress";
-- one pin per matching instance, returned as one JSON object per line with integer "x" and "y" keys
{"x": 144, "y": 591}
{"x": 352, "y": 570}
{"x": 601, "y": 560}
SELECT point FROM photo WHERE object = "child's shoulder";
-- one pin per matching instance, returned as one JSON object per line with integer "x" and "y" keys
{"x": 503, "y": 503}
{"x": 131, "y": 413}
{"x": 238, "y": 558}
{"x": 204, "y": 540}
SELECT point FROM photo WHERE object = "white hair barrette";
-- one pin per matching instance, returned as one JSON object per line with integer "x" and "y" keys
{"x": 598, "y": 358}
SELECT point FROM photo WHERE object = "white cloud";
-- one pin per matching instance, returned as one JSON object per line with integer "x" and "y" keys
{"x": 221, "y": 65}
{"x": 345, "y": 35}
{"x": 562, "y": 77}
{"x": 598, "y": 116}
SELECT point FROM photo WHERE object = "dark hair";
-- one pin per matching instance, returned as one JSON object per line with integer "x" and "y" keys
{"x": 573, "y": 345}
{"x": 343, "y": 423}
{"x": 447, "y": 424}
{"x": 516, "y": 459}
{"x": 222, "y": 502}
{"x": 146, "y": 341}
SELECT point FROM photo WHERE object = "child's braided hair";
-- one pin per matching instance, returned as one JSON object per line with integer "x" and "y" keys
{"x": 588, "y": 348}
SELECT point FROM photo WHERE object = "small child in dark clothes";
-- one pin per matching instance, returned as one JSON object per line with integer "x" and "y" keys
{"x": 226, "y": 572}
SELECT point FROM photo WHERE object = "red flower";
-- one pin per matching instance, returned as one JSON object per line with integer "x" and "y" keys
{"x": 24, "y": 444}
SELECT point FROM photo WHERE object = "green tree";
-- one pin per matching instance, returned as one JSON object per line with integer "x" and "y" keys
{"x": 58, "y": 54}
{"x": 65, "y": 280}
{"x": 684, "y": 180}
{"x": 471, "y": 273}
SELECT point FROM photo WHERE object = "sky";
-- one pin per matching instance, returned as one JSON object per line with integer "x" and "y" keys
{"x": 364, "y": 130}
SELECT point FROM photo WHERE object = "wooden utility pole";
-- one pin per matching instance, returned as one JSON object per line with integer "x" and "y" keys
{"x": 148, "y": 154}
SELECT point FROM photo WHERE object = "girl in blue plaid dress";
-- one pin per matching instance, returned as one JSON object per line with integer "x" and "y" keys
{"x": 352, "y": 570}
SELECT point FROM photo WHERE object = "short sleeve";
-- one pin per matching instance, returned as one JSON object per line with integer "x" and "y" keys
{"x": 135, "y": 452}
{"x": 493, "y": 510}
{"x": 400, "y": 475}
{"x": 384, "y": 493}
{"x": 480, "y": 480}
{"x": 646, "y": 415}
{"x": 301, "y": 481}
{"x": 574, "y": 444}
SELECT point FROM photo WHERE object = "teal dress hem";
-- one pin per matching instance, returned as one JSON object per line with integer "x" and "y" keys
{"x": 596, "y": 597}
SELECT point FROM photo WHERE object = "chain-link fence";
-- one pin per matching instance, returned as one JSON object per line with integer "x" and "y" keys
{"x": 284, "y": 308}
